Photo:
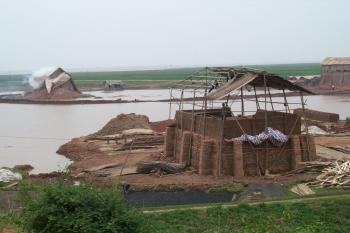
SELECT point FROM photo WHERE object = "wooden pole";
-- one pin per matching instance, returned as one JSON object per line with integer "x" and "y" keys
{"x": 192, "y": 126}
{"x": 266, "y": 125}
{"x": 285, "y": 101}
{"x": 303, "y": 107}
{"x": 177, "y": 124}
{"x": 221, "y": 140}
{"x": 265, "y": 102}
{"x": 181, "y": 109}
{"x": 242, "y": 101}
{"x": 270, "y": 99}
{"x": 306, "y": 124}
{"x": 171, "y": 95}
{"x": 205, "y": 111}
{"x": 205, "y": 101}
{"x": 256, "y": 99}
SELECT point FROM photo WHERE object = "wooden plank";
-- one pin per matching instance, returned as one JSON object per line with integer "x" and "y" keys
{"x": 100, "y": 167}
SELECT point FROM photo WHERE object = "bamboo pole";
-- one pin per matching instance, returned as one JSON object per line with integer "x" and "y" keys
{"x": 285, "y": 101}
{"x": 306, "y": 124}
{"x": 181, "y": 109}
{"x": 205, "y": 101}
{"x": 266, "y": 125}
{"x": 242, "y": 101}
{"x": 256, "y": 99}
{"x": 265, "y": 102}
{"x": 205, "y": 112}
{"x": 270, "y": 99}
{"x": 171, "y": 95}
{"x": 221, "y": 141}
{"x": 177, "y": 124}
{"x": 192, "y": 126}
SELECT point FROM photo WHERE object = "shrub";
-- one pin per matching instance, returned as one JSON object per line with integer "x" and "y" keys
{"x": 66, "y": 208}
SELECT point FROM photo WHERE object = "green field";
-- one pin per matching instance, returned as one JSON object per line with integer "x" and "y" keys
{"x": 158, "y": 78}
{"x": 284, "y": 70}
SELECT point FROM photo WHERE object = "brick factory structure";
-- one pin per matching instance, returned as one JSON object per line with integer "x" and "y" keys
{"x": 336, "y": 72}
{"x": 208, "y": 136}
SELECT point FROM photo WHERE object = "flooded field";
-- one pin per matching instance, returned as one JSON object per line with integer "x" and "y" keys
{"x": 31, "y": 134}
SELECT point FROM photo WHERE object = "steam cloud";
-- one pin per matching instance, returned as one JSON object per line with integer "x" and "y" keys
{"x": 38, "y": 76}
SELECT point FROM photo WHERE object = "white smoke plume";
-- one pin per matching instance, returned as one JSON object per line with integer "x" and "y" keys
{"x": 38, "y": 76}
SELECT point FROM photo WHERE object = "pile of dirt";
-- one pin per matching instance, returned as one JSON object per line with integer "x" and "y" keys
{"x": 56, "y": 94}
{"x": 78, "y": 149}
{"x": 124, "y": 122}
{"x": 160, "y": 126}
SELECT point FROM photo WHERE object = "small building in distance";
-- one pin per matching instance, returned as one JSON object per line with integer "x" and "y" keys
{"x": 336, "y": 72}
{"x": 113, "y": 85}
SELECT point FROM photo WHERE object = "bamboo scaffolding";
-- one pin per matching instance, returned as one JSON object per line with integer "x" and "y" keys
{"x": 192, "y": 128}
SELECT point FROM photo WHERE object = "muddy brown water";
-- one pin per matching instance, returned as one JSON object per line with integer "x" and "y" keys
{"x": 31, "y": 134}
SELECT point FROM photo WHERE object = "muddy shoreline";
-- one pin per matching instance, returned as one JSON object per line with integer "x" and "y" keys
{"x": 109, "y": 101}
{"x": 89, "y": 155}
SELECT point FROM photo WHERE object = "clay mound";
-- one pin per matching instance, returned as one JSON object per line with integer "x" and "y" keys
{"x": 58, "y": 93}
{"x": 124, "y": 122}
{"x": 160, "y": 126}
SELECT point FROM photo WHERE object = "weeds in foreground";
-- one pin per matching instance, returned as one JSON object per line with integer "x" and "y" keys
{"x": 325, "y": 216}
{"x": 67, "y": 208}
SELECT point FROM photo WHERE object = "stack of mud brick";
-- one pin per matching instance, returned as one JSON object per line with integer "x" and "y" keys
{"x": 210, "y": 155}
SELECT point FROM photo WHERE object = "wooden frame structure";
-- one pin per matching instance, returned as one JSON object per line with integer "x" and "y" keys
{"x": 234, "y": 84}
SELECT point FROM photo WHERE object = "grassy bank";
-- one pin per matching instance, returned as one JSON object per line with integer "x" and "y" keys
{"x": 158, "y": 78}
{"x": 60, "y": 207}
{"x": 309, "y": 216}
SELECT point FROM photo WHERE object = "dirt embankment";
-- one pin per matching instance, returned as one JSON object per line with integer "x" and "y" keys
{"x": 124, "y": 122}
{"x": 56, "y": 94}
{"x": 89, "y": 155}
{"x": 79, "y": 149}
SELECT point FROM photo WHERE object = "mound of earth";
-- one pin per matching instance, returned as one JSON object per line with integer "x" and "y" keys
{"x": 124, "y": 122}
{"x": 59, "y": 93}
{"x": 160, "y": 126}
{"x": 78, "y": 149}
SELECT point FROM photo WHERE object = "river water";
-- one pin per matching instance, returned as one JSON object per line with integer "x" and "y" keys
{"x": 31, "y": 134}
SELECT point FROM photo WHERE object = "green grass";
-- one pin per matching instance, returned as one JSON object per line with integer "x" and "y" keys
{"x": 170, "y": 74}
{"x": 230, "y": 188}
{"x": 312, "y": 216}
{"x": 286, "y": 70}
{"x": 9, "y": 221}
{"x": 140, "y": 78}
{"x": 304, "y": 215}
{"x": 179, "y": 74}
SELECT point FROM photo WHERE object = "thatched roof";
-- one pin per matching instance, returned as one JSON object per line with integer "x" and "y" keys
{"x": 336, "y": 61}
{"x": 243, "y": 76}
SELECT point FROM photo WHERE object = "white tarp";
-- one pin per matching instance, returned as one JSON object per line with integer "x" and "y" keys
{"x": 8, "y": 176}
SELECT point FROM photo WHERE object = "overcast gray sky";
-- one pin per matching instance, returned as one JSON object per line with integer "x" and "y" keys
{"x": 88, "y": 34}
